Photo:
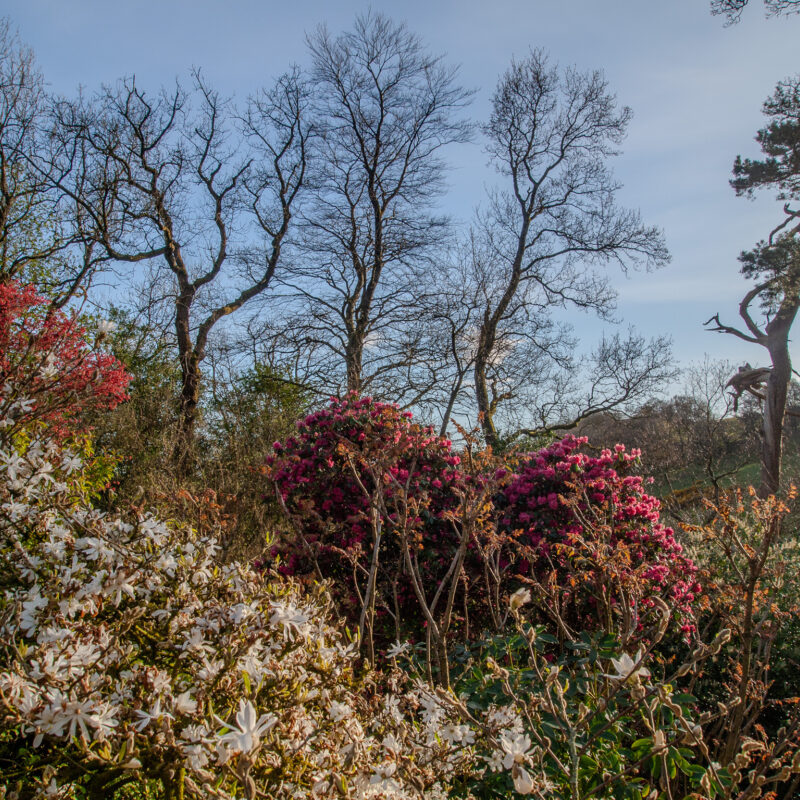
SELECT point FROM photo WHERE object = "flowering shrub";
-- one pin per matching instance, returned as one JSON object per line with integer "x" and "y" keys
{"x": 46, "y": 358}
{"x": 586, "y": 532}
{"x": 381, "y": 505}
{"x": 346, "y": 479}
{"x": 129, "y": 655}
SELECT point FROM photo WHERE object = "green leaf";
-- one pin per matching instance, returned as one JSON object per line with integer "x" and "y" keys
{"x": 578, "y": 646}
{"x": 695, "y": 772}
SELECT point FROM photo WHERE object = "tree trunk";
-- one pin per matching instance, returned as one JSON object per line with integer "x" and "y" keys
{"x": 190, "y": 385}
{"x": 485, "y": 410}
{"x": 775, "y": 398}
{"x": 190, "y": 399}
{"x": 353, "y": 356}
{"x": 451, "y": 401}
{"x": 772, "y": 427}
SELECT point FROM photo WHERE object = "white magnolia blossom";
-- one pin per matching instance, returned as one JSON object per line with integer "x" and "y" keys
{"x": 517, "y": 748}
{"x": 519, "y": 598}
{"x": 105, "y": 326}
{"x": 523, "y": 782}
{"x": 397, "y": 649}
{"x": 290, "y": 619}
{"x": 126, "y": 642}
{"x": 625, "y": 668}
{"x": 245, "y": 735}
{"x": 339, "y": 711}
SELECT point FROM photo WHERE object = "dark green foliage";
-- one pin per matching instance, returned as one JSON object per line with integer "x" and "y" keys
{"x": 242, "y": 420}
{"x": 143, "y": 428}
{"x": 780, "y": 141}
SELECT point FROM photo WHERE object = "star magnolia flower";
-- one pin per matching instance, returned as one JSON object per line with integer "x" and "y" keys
{"x": 397, "y": 649}
{"x": 290, "y": 617}
{"x": 73, "y": 716}
{"x": 391, "y": 745}
{"x": 626, "y": 669}
{"x": 495, "y": 761}
{"x": 71, "y": 462}
{"x": 104, "y": 327}
{"x": 519, "y": 599}
{"x": 523, "y": 782}
{"x": 339, "y": 711}
{"x": 153, "y": 715}
{"x": 184, "y": 703}
{"x": 517, "y": 748}
{"x": 30, "y": 611}
{"x": 247, "y": 736}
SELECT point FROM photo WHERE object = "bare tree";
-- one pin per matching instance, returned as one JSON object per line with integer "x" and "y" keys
{"x": 530, "y": 348}
{"x": 775, "y": 264}
{"x": 620, "y": 374}
{"x": 732, "y": 9}
{"x": 184, "y": 184}
{"x": 538, "y": 381}
{"x": 41, "y": 229}
{"x": 451, "y": 321}
{"x": 386, "y": 109}
{"x": 550, "y": 134}
{"x": 31, "y": 230}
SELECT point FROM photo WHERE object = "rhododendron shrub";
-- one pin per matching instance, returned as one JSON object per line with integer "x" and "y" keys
{"x": 46, "y": 357}
{"x": 380, "y": 504}
{"x": 129, "y": 655}
{"x": 358, "y": 479}
{"x": 585, "y": 532}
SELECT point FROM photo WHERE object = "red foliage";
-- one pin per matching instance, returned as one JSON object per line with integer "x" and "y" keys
{"x": 587, "y": 521}
{"x": 47, "y": 361}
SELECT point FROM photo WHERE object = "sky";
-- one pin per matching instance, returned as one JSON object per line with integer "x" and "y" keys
{"x": 695, "y": 86}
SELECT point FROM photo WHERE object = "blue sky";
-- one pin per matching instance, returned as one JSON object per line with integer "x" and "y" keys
{"x": 695, "y": 86}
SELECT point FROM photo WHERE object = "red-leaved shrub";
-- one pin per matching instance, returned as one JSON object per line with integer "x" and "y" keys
{"x": 46, "y": 357}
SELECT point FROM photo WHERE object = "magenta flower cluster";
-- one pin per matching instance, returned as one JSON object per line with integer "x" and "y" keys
{"x": 565, "y": 505}
{"x": 331, "y": 471}
{"x": 585, "y": 518}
